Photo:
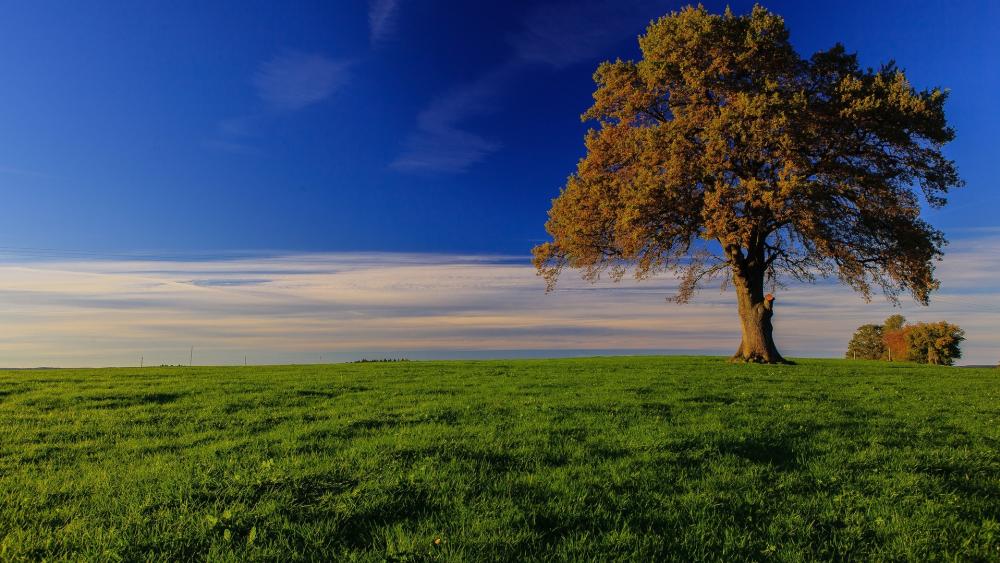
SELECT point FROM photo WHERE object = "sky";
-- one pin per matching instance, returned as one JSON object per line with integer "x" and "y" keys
{"x": 306, "y": 180}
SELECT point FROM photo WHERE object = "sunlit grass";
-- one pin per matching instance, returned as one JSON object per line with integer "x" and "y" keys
{"x": 604, "y": 458}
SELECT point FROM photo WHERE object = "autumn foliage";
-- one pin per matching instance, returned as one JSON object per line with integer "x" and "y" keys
{"x": 722, "y": 153}
{"x": 937, "y": 343}
{"x": 895, "y": 345}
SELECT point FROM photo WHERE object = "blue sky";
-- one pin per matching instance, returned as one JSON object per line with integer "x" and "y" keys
{"x": 192, "y": 130}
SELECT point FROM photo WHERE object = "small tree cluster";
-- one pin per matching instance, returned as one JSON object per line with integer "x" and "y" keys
{"x": 926, "y": 343}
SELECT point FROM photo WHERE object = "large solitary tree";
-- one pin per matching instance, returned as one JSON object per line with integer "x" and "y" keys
{"x": 723, "y": 153}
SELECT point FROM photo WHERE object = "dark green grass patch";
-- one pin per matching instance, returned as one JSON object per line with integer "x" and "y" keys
{"x": 637, "y": 458}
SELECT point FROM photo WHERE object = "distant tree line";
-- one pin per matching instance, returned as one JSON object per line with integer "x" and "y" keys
{"x": 367, "y": 361}
{"x": 894, "y": 340}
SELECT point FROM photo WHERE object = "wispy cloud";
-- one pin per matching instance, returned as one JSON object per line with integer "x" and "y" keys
{"x": 381, "y": 18}
{"x": 440, "y": 143}
{"x": 560, "y": 34}
{"x": 285, "y": 83}
{"x": 295, "y": 307}
{"x": 552, "y": 34}
{"x": 295, "y": 80}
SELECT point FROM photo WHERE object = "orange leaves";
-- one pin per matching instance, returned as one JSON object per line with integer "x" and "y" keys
{"x": 895, "y": 344}
{"x": 722, "y": 132}
{"x": 620, "y": 94}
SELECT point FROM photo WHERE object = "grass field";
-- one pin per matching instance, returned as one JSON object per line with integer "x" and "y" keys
{"x": 644, "y": 458}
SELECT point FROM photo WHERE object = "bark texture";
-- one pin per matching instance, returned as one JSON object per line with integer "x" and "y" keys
{"x": 756, "y": 310}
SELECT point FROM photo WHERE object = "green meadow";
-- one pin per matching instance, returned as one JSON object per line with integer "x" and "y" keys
{"x": 629, "y": 458}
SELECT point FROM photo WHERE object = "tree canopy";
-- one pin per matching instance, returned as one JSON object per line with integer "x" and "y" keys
{"x": 866, "y": 344}
{"x": 894, "y": 322}
{"x": 722, "y": 152}
{"x": 934, "y": 343}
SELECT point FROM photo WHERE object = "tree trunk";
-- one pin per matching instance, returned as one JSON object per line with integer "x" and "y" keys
{"x": 756, "y": 310}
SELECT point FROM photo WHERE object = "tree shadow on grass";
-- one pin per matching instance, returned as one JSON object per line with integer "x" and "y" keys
{"x": 484, "y": 460}
{"x": 374, "y": 424}
{"x": 4, "y": 393}
{"x": 974, "y": 482}
{"x": 126, "y": 401}
{"x": 780, "y": 454}
{"x": 318, "y": 393}
{"x": 332, "y": 392}
{"x": 710, "y": 399}
{"x": 662, "y": 410}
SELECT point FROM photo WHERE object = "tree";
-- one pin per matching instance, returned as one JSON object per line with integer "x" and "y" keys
{"x": 867, "y": 343}
{"x": 894, "y": 331}
{"x": 934, "y": 343}
{"x": 894, "y": 322}
{"x": 896, "y": 348}
{"x": 723, "y": 153}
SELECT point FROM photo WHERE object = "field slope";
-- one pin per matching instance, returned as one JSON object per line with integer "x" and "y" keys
{"x": 645, "y": 458}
